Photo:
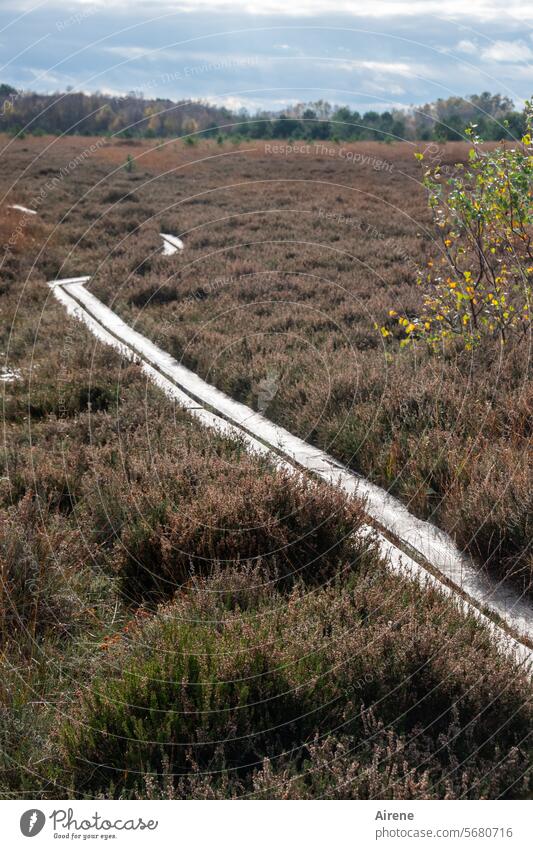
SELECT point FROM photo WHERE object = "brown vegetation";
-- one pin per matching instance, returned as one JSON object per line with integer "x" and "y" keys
{"x": 148, "y": 562}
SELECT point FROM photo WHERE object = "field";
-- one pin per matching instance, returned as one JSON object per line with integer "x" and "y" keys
{"x": 178, "y": 619}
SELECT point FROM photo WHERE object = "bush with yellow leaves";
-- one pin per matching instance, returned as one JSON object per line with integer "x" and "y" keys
{"x": 483, "y": 215}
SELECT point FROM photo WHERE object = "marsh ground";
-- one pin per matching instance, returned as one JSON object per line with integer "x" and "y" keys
{"x": 149, "y": 563}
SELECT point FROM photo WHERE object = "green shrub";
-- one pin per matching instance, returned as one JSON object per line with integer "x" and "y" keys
{"x": 200, "y": 697}
{"x": 204, "y": 703}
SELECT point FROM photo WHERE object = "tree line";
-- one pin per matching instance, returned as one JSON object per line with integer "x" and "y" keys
{"x": 132, "y": 116}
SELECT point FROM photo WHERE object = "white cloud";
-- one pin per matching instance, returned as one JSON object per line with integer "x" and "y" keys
{"x": 466, "y": 46}
{"x": 126, "y": 51}
{"x": 235, "y": 103}
{"x": 46, "y": 77}
{"x": 395, "y": 69}
{"x": 390, "y": 88}
{"x": 484, "y": 10}
{"x": 507, "y": 51}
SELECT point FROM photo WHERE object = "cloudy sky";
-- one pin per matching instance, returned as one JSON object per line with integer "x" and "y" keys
{"x": 245, "y": 54}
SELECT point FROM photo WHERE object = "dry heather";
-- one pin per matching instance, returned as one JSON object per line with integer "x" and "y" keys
{"x": 170, "y": 592}
{"x": 291, "y": 259}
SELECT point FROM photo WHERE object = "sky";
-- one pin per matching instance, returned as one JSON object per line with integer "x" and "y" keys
{"x": 371, "y": 55}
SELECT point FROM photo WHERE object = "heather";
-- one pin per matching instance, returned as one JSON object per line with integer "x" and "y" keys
{"x": 356, "y": 691}
{"x": 178, "y": 618}
{"x": 296, "y": 292}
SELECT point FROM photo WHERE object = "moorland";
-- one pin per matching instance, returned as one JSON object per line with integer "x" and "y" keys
{"x": 179, "y": 619}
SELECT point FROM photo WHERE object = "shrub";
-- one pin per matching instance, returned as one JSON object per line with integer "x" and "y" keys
{"x": 294, "y": 528}
{"x": 483, "y": 219}
{"x": 193, "y": 705}
{"x": 320, "y": 693}
{"x": 46, "y": 585}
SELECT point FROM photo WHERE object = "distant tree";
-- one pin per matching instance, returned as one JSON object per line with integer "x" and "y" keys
{"x": 261, "y": 129}
{"x": 211, "y": 130}
{"x": 452, "y": 129}
{"x": 342, "y": 123}
{"x": 190, "y": 127}
{"x": 133, "y": 115}
{"x": 398, "y": 128}
{"x": 371, "y": 125}
{"x": 314, "y": 127}
{"x": 285, "y": 127}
